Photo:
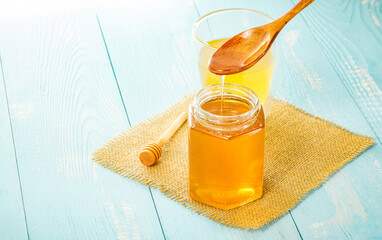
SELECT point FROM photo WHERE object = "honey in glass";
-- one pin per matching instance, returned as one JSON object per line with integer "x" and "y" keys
{"x": 215, "y": 28}
{"x": 258, "y": 78}
{"x": 226, "y": 146}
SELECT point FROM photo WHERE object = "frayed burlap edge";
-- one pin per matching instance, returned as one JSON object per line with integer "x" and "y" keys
{"x": 174, "y": 196}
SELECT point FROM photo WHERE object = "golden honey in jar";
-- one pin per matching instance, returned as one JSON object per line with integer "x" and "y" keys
{"x": 226, "y": 146}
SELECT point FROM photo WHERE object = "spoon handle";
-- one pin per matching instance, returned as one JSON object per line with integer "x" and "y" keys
{"x": 293, "y": 12}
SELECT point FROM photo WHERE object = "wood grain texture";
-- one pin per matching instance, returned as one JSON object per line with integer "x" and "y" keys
{"x": 160, "y": 32}
{"x": 346, "y": 206}
{"x": 351, "y": 40}
{"x": 353, "y": 210}
{"x": 12, "y": 219}
{"x": 64, "y": 104}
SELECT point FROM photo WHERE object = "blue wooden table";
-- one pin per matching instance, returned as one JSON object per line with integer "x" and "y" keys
{"x": 71, "y": 82}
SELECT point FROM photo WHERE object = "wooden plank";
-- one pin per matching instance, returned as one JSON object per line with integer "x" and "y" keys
{"x": 354, "y": 210}
{"x": 347, "y": 205}
{"x": 351, "y": 41}
{"x": 64, "y": 104}
{"x": 149, "y": 45}
{"x": 12, "y": 219}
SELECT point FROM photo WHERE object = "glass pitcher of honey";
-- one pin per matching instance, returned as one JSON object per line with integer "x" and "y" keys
{"x": 226, "y": 146}
{"x": 214, "y": 29}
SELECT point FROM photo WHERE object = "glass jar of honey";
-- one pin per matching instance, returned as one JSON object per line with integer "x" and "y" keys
{"x": 226, "y": 146}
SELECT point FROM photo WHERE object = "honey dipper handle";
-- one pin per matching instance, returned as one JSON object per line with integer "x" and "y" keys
{"x": 172, "y": 129}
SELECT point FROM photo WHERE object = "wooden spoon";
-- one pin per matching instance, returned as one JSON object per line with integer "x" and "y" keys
{"x": 247, "y": 48}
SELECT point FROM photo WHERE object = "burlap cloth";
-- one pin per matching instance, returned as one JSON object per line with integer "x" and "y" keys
{"x": 301, "y": 152}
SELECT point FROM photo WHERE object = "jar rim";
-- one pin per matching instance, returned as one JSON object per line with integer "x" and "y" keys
{"x": 205, "y": 16}
{"x": 251, "y": 114}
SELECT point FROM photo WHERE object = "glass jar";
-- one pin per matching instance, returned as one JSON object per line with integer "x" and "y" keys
{"x": 226, "y": 146}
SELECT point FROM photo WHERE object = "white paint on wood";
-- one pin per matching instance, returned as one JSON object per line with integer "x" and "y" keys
{"x": 375, "y": 20}
{"x": 62, "y": 88}
{"x": 311, "y": 76}
{"x": 349, "y": 208}
{"x": 366, "y": 86}
{"x": 23, "y": 110}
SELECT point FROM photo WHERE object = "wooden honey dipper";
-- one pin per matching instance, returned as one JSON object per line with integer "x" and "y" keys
{"x": 151, "y": 153}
